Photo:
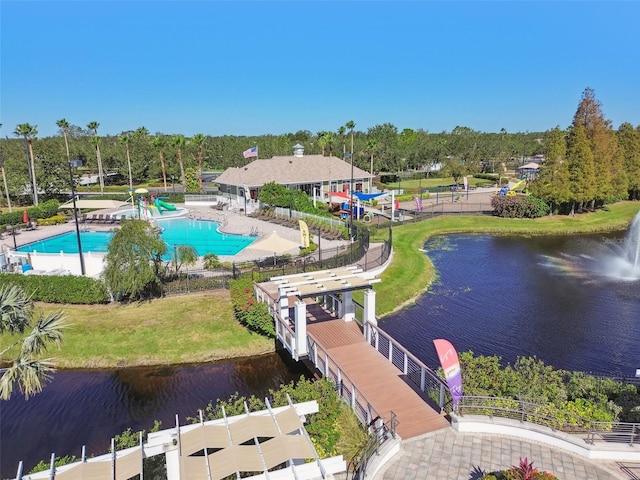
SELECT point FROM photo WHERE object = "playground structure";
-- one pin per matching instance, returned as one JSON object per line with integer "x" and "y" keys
{"x": 510, "y": 191}
{"x": 150, "y": 207}
{"x": 153, "y": 206}
{"x": 358, "y": 211}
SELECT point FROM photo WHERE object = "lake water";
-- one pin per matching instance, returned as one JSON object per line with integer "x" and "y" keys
{"x": 89, "y": 407}
{"x": 553, "y": 297}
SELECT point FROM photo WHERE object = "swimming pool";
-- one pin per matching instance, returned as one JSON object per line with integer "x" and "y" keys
{"x": 203, "y": 235}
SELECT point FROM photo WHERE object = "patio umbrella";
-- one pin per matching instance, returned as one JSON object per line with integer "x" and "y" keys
{"x": 25, "y": 217}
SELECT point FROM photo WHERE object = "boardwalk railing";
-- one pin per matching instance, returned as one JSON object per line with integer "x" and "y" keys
{"x": 591, "y": 432}
{"x": 382, "y": 432}
{"x": 424, "y": 378}
{"x": 346, "y": 389}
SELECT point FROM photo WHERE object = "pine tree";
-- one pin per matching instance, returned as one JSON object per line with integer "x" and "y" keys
{"x": 597, "y": 130}
{"x": 581, "y": 169}
{"x": 629, "y": 141}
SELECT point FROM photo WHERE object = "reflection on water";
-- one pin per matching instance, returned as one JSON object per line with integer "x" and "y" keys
{"x": 556, "y": 298}
{"x": 89, "y": 407}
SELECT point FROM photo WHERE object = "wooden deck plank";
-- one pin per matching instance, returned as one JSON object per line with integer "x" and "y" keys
{"x": 378, "y": 380}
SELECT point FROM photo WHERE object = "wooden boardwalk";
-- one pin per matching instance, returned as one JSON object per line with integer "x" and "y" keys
{"x": 379, "y": 380}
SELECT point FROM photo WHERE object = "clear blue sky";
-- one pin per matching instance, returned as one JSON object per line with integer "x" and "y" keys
{"x": 270, "y": 67}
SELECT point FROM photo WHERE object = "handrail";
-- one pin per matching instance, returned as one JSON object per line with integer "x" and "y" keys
{"x": 417, "y": 372}
{"x": 380, "y": 432}
{"x": 345, "y": 387}
{"x": 568, "y": 423}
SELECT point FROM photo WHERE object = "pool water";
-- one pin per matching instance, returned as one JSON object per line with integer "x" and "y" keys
{"x": 203, "y": 235}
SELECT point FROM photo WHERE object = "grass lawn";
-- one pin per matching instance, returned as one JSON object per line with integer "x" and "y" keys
{"x": 201, "y": 327}
{"x": 187, "y": 329}
{"x": 412, "y": 272}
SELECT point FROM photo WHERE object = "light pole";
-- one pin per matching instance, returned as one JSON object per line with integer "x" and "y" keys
{"x": 76, "y": 163}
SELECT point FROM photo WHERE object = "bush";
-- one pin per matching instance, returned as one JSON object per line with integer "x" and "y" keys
{"x": 248, "y": 311}
{"x": 519, "y": 206}
{"x": 55, "y": 220}
{"x": 60, "y": 288}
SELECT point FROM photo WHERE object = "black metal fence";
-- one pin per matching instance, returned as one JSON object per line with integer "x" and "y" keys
{"x": 359, "y": 253}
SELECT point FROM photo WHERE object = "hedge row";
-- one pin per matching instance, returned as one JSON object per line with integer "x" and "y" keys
{"x": 44, "y": 210}
{"x": 60, "y": 288}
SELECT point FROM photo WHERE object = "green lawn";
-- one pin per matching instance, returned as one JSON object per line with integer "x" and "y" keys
{"x": 412, "y": 272}
{"x": 187, "y": 329}
{"x": 201, "y": 327}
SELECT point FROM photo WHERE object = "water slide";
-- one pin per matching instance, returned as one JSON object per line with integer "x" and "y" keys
{"x": 160, "y": 205}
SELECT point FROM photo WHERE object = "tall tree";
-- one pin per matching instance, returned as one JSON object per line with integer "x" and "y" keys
{"x": 372, "y": 146}
{"x": 342, "y": 130}
{"x": 198, "y": 140}
{"x": 552, "y": 183}
{"x": 63, "y": 125}
{"x": 178, "y": 141}
{"x": 29, "y": 132}
{"x": 125, "y": 139}
{"x": 351, "y": 125}
{"x": 597, "y": 130}
{"x": 93, "y": 129}
{"x": 629, "y": 141}
{"x": 159, "y": 144}
{"x": 26, "y": 369}
{"x": 581, "y": 168}
{"x": 133, "y": 261}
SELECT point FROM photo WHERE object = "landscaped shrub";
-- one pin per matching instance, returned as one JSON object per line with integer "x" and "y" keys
{"x": 55, "y": 220}
{"x": 249, "y": 311}
{"x": 60, "y": 288}
{"x": 524, "y": 471}
{"x": 519, "y": 206}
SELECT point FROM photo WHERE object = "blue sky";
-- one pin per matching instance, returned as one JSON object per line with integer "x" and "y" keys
{"x": 270, "y": 67}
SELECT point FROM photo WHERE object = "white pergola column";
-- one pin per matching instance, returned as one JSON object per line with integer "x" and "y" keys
{"x": 370, "y": 306}
{"x": 348, "y": 307}
{"x": 283, "y": 304}
{"x": 300, "y": 316}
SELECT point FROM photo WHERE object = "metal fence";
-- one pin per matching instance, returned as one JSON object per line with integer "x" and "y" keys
{"x": 358, "y": 253}
{"x": 594, "y": 433}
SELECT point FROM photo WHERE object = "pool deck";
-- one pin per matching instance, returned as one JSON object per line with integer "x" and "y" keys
{"x": 230, "y": 222}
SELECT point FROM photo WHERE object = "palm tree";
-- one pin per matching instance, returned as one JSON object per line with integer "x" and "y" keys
{"x": 327, "y": 139}
{"x": 29, "y": 132}
{"x": 64, "y": 126}
{"x": 159, "y": 143}
{"x": 26, "y": 370}
{"x": 93, "y": 128}
{"x": 199, "y": 139}
{"x": 125, "y": 139}
{"x": 372, "y": 145}
{"x": 351, "y": 125}
{"x": 341, "y": 131}
{"x": 179, "y": 142}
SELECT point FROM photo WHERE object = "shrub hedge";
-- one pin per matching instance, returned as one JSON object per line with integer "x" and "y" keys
{"x": 249, "y": 311}
{"x": 60, "y": 288}
{"x": 44, "y": 210}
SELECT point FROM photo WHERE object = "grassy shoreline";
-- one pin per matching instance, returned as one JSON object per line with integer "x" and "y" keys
{"x": 411, "y": 272}
{"x": 201, "y": 327}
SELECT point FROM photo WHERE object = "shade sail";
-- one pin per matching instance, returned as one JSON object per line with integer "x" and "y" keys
{"x": 97, "y": 204}
{"x": 274, "y": 243}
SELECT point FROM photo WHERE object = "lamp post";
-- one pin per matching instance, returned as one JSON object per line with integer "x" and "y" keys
{"x": 76, "y": 163}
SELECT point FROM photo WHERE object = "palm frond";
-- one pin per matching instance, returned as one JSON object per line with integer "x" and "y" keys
{"x": 16, "y": 308}
{"x": 28, "y": 374}
{"x": 47, "y": 329}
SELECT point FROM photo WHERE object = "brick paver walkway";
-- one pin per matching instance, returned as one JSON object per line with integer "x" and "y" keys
{"x": 450, "y": 455}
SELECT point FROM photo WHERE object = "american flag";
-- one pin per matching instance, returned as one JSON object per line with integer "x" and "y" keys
{"x": 252, "y": 152}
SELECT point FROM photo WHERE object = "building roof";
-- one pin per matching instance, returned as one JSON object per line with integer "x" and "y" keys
{"x": 289, "y": 170}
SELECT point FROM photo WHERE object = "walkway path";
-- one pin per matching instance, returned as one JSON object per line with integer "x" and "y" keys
{"x": 450, "y": 455}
